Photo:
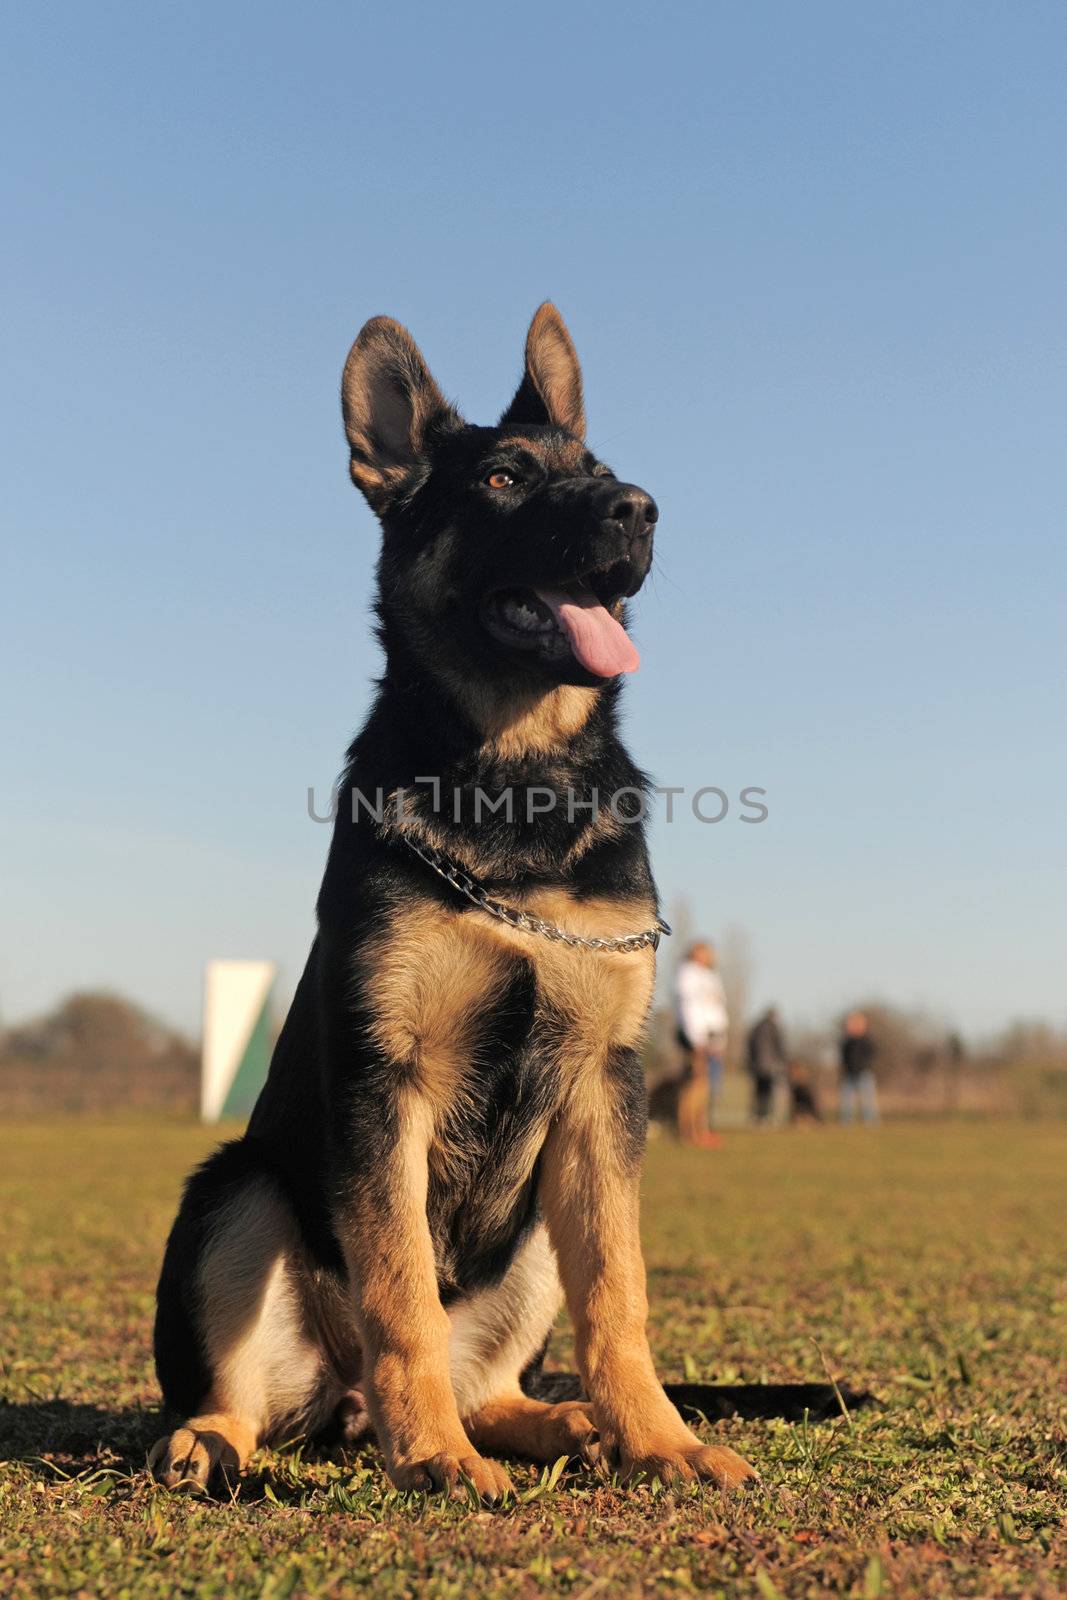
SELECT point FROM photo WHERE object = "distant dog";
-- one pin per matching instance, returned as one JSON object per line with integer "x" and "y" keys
{"x": 451, "y": 1135}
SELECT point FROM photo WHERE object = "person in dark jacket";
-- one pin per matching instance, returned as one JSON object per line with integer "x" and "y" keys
{"x": 766, "y": 1062}
{"x": 859, "y": 1091}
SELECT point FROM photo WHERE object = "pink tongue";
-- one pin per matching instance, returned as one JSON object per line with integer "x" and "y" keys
{"x": 600, "y": 643}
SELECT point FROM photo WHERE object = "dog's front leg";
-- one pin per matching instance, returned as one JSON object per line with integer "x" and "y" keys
{"x": 589, "y": 1192}
{"x": 403, "y": 1327}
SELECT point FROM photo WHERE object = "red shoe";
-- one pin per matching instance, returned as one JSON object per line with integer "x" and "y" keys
{"x": 710, "y": 1141}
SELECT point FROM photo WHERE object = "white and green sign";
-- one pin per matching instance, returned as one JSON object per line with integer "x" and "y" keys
{"x": 238, "y": 1036}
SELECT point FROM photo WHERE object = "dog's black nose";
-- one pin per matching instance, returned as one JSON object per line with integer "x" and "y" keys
{"x": 632, "y": 511}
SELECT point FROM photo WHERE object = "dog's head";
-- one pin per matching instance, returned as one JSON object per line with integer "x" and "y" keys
{"x": 508, "y": 551}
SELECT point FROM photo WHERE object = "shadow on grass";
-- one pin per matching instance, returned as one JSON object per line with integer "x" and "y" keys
{"x": 74, "y": 1439}
{"x": 795, "y": 1402}
{"x": 76, "y": 1436}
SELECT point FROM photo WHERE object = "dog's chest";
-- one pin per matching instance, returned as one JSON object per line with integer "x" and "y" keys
{"x": 451, "y": 994}
{"x": 495, "y": 1029}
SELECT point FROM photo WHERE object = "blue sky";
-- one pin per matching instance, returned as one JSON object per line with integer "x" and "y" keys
{"x": 814, "y": 262}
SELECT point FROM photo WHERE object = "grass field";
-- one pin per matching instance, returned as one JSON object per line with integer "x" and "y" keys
{"x": 925, "y": 1262}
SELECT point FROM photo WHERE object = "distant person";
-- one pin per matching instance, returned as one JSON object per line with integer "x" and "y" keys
{"x": 859, "y": 1092}
{"x": 766, "y": 1062}
{"x": 702, "y": 1021}
{"x": 955, "y": 1058}
{"x": 803, "y": 1106}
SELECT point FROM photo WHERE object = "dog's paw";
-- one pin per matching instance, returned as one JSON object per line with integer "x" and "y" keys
{"x": 711, "y": 1463}
{"x": 193, "y": 1460}
{"x": 568, "y": 1429}
{"x": 445, "y": 1472}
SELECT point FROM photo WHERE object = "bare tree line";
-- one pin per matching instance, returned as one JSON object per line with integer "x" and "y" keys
{"x": 923, "y": 1065}
{"x": 100, "y": 1053}
{"x": 97, "y": 1053}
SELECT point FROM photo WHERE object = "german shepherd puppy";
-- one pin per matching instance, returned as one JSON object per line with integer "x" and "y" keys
{"x": 451, "y": 1134}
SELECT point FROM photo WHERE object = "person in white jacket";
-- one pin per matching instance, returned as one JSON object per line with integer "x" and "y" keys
{"x": 702, "y": 1021}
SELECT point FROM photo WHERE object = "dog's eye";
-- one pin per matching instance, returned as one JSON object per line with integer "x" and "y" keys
{"x": 501, "y": 479}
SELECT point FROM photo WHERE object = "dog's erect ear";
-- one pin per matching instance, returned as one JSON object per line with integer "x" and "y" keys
{"x": 551, "y": 387}
{"x": 390, "y": 402}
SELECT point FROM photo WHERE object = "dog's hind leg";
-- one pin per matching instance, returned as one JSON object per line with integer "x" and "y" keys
{"x": 497, "y": 1331}
{"x": 514, "y": 1425}
{"x": 260, "y": 1368}
{"x": 205, "y": 1452}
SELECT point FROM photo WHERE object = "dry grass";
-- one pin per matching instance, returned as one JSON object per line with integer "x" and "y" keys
{"x": 924, "y": 1262}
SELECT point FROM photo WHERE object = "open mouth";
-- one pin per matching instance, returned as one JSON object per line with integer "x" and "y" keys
{"x": 579, "y": 620}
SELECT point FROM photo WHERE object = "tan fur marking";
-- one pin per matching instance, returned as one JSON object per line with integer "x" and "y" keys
{"x": 603, "y": 827}
{"x": 436, "y": 971}
{"x": 590, "y": 1201}
{"x": 376, "y": 482}
{"x": 515, "y": 725}
{"x": 428, "y": 983}
{"x": 513, "y": 1425}
{"x": 427, "y": 830}
{"x": 431, "y": 978}
{"x": 387, "y": 397}
{"x": 212, "y": 1445}
{"x": 553, "y": 368}
{"x": 559, "y": 455}
{"x": 603, "y": 995}
{"x": 404, "y": 1328}
{"x": 541, "y": 726}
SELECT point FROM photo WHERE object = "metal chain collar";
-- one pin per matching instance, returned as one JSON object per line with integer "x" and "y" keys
{"x": 525, "y": 921}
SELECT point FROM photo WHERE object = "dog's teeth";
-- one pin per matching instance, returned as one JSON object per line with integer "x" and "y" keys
{"x": 520, "y": 615}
